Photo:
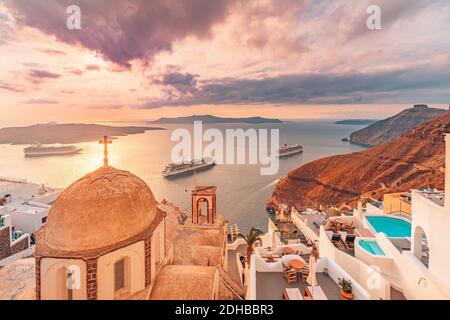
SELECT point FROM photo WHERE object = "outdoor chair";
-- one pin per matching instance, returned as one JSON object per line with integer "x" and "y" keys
{"x": 291, "y": 276}
{"x": 348, "y": 228}
{"x": 349, "y": 242}
{"x": 285, "y": 269}
{"x": 336, "y": 238}
{"x": 305, "y": 273}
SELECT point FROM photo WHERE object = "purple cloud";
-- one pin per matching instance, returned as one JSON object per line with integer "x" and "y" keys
{"x": 401, "y": 86}
{"x": 41, "y": 101}
{"x": 123, "y": 30}
{"x": 8, "y": 87}
{"x": 182, "y": 83}
{"x": 43, "y": 74}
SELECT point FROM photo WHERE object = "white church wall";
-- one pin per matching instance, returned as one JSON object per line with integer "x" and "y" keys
{"x": 135, "y": 270}
{"x": 158, "y": 249}
{"x": 53, "y": 282}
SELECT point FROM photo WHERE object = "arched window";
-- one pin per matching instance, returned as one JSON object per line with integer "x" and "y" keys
{"x": 121, "y": 278}
{"x": 203, "y": 206}
{"x": 66, "y": 279}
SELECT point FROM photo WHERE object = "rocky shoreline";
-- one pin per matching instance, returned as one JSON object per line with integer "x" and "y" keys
{"x": 65, "y": 133}
{"x": 414, "y": 160}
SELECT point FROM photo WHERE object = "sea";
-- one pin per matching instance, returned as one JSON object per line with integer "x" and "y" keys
{"x": 242, "y": 192}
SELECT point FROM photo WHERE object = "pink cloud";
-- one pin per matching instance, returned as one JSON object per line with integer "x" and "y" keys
{"x": 123, "y": 30}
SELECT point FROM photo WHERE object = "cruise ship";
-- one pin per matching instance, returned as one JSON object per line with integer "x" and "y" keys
{"x": 40, "y": 150}
{"x": 289, "y": 150}
{"x": 185, "y": 167}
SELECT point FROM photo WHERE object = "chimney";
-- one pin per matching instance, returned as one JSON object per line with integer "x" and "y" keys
{"x": 447, "y": 171}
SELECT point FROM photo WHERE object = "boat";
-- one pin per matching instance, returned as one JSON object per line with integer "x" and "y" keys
{"x": 188, "y": 166}
{"x": 41, "y": 150}
{"x": 289, "y": 150}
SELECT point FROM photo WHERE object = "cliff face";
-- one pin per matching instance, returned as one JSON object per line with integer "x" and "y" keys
{"x": 385, "y": 130}
{"x": 415, "y": 160}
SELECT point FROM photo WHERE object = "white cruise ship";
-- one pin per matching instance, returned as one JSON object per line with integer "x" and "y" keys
{"x": 185, "y": 167}
{"x": 288, "y": 150}
{"x": 40, "y": 150}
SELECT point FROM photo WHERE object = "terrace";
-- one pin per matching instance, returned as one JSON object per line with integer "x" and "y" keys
{"x": 270, "y": 286}
{"x": 275, "y": 273}
{"x": 434, "y": 195}
{"x": 341, "y": 232}
{"x": 313, "y": 219}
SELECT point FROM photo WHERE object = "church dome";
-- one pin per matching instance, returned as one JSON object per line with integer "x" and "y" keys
{"x": 100, "y": 210}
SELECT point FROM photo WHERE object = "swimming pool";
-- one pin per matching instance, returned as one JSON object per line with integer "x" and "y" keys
{"x": 392, "y": 227}
{"x": 372, "y": 247}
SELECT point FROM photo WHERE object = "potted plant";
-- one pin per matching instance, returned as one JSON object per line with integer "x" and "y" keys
{"x": 346, "y": 289}
{"x": 253, "y": 236}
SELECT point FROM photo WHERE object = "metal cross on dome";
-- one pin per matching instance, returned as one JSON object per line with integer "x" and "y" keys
{"x": 105, "y": 141}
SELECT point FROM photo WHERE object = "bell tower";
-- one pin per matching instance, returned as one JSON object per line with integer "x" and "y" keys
{"x": 201, "y": 195}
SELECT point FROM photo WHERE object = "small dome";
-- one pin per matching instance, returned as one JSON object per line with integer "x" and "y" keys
{"x": 101, "y": 209}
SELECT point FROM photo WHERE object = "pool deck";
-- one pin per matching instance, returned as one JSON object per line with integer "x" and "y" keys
{"x": 364, "y": 233}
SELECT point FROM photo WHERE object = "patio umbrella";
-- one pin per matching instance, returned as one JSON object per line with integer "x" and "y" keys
{"x": 312, "y": 278}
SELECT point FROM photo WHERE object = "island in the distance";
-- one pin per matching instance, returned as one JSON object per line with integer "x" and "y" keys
{"x": 356, "y": 122}
{"x": 52, "y": 133}
{"x": 214, "y": 119}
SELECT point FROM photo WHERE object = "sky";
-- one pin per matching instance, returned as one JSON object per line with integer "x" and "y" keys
{"x": 290, "y": 59}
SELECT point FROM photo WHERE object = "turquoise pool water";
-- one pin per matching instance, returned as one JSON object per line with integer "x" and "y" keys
{"x": 371, "y": 247}
{"x": 392, "y": 227}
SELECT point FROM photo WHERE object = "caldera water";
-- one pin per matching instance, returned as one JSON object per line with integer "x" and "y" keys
{"x": 242, "y": 190}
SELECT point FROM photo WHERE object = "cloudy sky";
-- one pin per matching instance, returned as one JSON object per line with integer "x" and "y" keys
{"x": 142, "y": 59}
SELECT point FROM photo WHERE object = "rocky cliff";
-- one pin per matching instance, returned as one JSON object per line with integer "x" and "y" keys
{"x": 414, "y": 160}
{"x": 385, "y": 130}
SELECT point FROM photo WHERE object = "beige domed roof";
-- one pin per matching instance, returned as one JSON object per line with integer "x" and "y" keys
{"x": 100, "y": 210}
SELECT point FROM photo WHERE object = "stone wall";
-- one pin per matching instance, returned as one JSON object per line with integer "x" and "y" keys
{"x": 38, "y": 278}
{"x": 148, "y": 267}
{"x": 91, "y": 280}
{"x": 6, "y": 249}
{"x": 4, "y": 243}
{"x": 19, "y": 246}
